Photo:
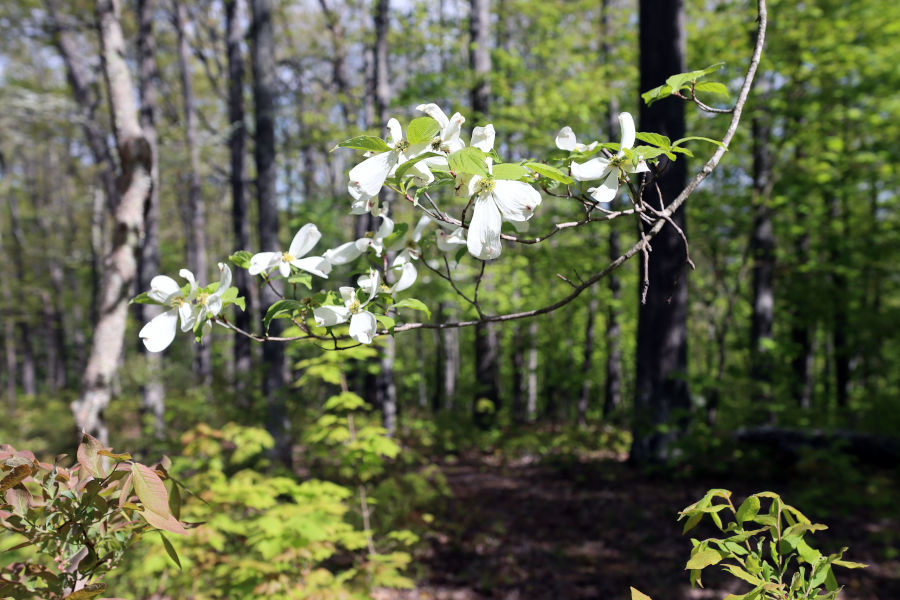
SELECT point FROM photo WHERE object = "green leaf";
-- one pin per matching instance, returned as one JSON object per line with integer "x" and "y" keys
{"x": 368, "y": 143}
{"x": 654, "y": 138}
{"x": 849, "y": 564}
{"x": 676, "y": 82}
{"x": 742, "y": 574}
{"x": 143, "y": 298}
{"x": 647, "y": 152}
{"x": 657, "y": 93}
{"x": 636, "y": 595}
{"x": 712, "y": 87}
{"x": 422, "y": 130}
{"x": 281, "y": 310}
{"x": 241, "y": 259}
{"x": 509, "y": 171}
{"x": 469, "y": 160}
{"x": 702, "y": 139}
{"x": 403, "y": 168}
{"x": 175, "y": 501}
{"x": 163, "y": 522}
{"x": 413, "y": 304}
{"x": 304, "y": 279}
{"x": 549, "y": 172}
{"x": 170, "y": 550}
{"x": 703, "y": 559}
{"x": 386, "y": 321}
{"x": 692, "y": 522}
{"x": 399, "y": 231}
{"x": 749, "y": 508}
{"x": 150, "y": 489}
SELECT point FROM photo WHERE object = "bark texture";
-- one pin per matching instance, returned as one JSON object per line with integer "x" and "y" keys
{"x": 264, "y": 93}
{"x": 662, "y": 399}
{"x": 120, "y": 265}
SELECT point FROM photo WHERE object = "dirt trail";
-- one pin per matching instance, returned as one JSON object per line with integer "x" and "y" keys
{"x": 590, "y": 530}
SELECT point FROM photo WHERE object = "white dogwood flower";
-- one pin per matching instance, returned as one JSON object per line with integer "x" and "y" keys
{"x": 160, "y": 331}
{"x": 495, "y": 200}
{"x": 303, "y": 242}
{"x": 607, "y": 169}
{"x": 367, "y": 178}
{"x": 565, "y": 140}
{"x": 447, "y": 141}
{"x": 210, "y": 305}
{"x": 350, "y": 251}
{"x": 362, "y": 322}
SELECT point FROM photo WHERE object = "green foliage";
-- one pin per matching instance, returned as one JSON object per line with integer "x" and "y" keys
{"x": 71, "y": 526}
{"x": 767, "y": 549}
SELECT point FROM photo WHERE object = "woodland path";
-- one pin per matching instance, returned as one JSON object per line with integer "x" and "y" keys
{"x": 589, "y": 530}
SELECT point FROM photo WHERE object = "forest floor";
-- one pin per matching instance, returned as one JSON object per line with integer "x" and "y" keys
{"x": 533, "y": 530}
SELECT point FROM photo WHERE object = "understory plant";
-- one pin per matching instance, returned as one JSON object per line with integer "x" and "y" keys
{"x": 764, "y": 543}
{"x": 65, "y": 528}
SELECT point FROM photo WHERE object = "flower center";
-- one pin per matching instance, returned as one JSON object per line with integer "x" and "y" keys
{"x": 485, "y": 185}
{"x": 287, "y": 257}
{"x": 177, "y": 302}
{"x": 402, "y": 145}
{"x": 354, "y": 306}
{"x": 203, "y": 298}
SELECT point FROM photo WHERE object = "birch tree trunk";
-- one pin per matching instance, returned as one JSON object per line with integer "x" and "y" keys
{"x": 661, "y": 395}
{"x": 120, "y": 265}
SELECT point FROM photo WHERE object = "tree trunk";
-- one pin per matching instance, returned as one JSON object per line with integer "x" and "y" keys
{"x": 264, "y": 92}
{"x": 153, "y": 400}
{"x": 612, "y": 394}
{"x": 451, "y": 365}
{"x": 240, "y": 223}
{"x": 839, "y": 334}
{"x": 26, "y": 352}
{"x": 584, "y": 397}
{"x": 532, "y": 387}
{"x": 661, "y": 395}
{"x": 194, "y": 211}
{"x": 120, "y": 265}
{"x": 382, "y": 80}
{"x": 480, "y": 58}
{"x": 762, "y": 253}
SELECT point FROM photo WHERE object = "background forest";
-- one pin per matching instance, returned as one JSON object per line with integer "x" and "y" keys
{"x": 535, "y": 458}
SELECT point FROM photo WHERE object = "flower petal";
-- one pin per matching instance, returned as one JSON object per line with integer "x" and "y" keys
{"x": 407, "y": 278}
{"x": 263, "y": 261}
{"x": 420, "y": 227}
{"x": 565, "y": 139}
{"x": 348, "y": 294}
{"x": 450, "y": 134}
{"x": 343, "y": 254}
{"x": 317, "y": 265}
{"x": 362, "y": 327}
{"x": 303, "y": 242}
{"x": 367, "y": 177}
{"x": 596, "y": 168}
{"x": 188, "y": 314}
{"x": 162, "y": 288}
{"x": 626, "y": 127}
{"x": 484, "y": 229}
{"x": 160, "y": 331}
{"x": 450, "y": 242}
{"x": 284, "y": 268}
{"x": 395, "y": 132}
{"x": 607, "y": 190}
{"x": 224, "y": 281}
{"x": 326, "y": 316}
{"x": 483, "y": 137}
{"x": 516, "y": 199}
{"x": 434, "y": 111}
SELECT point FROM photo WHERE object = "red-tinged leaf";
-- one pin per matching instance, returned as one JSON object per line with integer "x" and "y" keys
{"x": 19, "y": 499}
{"x": 16, "y": 476}
{"x": 126, "y": 491}
{"x": 150, "y": 489}
{"x": 112, "y": 455}
{"x": 88, "y": 592}
{"x": 89, "y": 456}
{"x": 166, "y": 523}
